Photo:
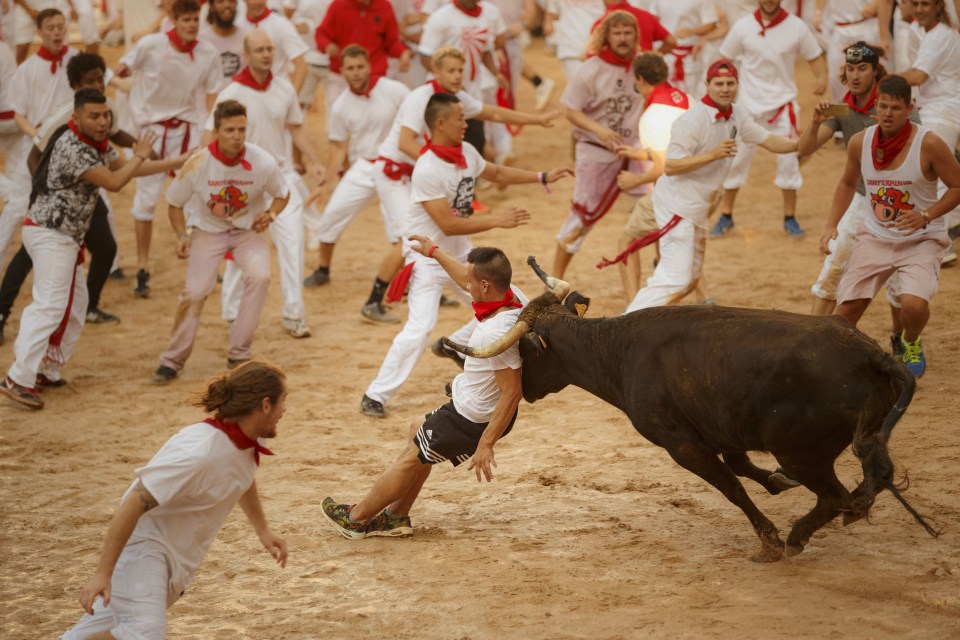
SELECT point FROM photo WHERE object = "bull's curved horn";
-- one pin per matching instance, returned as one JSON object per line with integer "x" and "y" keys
{"x": 557, "y": 286}
{"x": 507, "y": 340}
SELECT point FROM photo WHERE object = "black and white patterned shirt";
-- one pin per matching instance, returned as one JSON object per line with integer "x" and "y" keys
{"x": 67, "y": 206}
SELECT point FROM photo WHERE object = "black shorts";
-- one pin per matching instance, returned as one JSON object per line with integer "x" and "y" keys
{"x": 447, "y": 435}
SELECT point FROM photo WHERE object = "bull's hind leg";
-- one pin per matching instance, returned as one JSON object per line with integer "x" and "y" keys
{"x": 708, "y": 466}
{"x": 772, "y": 481}
{"x": 819, "y": 476}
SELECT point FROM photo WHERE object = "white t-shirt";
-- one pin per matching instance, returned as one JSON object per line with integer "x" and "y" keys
{"x": 196, "y": 477}
{"x": 658, "y": 118}
{"x": 410, "y": 116}
{"x": 572, "y": 27}
{"x": 607, "y": 94}
{"x": 8, "y": 68}
{"x": 694, "y": 132}
{"x": 939, "y": 58}
{"x": 845, "y": 11}
{"x": 684, "y": 14}
{"x": 268, "y": 115}
{"x": 229, "y": 47}
{"x": 448, "y": 26}
{"x": 312, "y": 13}
{"x": 168, "y": 83}
{"x": 435, "y": 179}
{"x": 474, "y": 392}
{"x": 287, "y": 43}
{"x": 60, "y": 116}
{"x": 217, "y": 197}
{"x": 366, "y": 121}
{"x": 765, "y": 63}
{"x": 36, "y": 92}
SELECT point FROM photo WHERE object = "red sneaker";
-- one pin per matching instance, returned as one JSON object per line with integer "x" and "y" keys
{"x": 23, "y": 395}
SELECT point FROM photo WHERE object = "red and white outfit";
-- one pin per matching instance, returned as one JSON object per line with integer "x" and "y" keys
{"x": 511, "y": 13}
{"x": 196, "y": 478}
{"x": 229, "y": 47}
{"x": 883, "y": 250}
{"x": 765, "y": 53}
{"x": 270, "y": 110}
{"x": 688, "y": 195}
{"x": 168, "y": 84}
{"x": 433, "y": 179}
{"x": 39, "y": 86}
{"x": 365, "y": 120}
{"x": 221, "y": 201}
{"x": 847, "y": 26}
{"x": 10, "y": 133}
{"x": 603, "y": 89}
{"x": 287, "y": 43}
{"x": 685, "y": 67}
{"x": 311, "y": 13}
{"x": 572, "y": 29}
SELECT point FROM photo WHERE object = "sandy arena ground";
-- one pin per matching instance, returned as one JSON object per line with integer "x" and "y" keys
{"x": 587, "y": 531}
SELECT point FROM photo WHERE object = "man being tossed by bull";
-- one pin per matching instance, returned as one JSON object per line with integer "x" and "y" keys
{"x": 482, "y": 409}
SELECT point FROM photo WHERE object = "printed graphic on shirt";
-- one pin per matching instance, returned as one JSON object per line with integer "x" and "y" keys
{"x": 617, "y": 107}
{"x": 227, "y": 202}
{"x": 888, "y": 202}
{"x": 474, "y": 40}
{"x": 463, "y": 204}
{"x": 230, "y": 63}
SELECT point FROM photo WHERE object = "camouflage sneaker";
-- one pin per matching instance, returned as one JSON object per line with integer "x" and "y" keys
{"x": 390, "y": 526}
{"x": 338, "y": 515}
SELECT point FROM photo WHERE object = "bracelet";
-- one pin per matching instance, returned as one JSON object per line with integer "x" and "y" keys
{"x": 926, "y": 218}
{"x": 542, "y": 179}
{"x": 273, "y": 216}
{"x": 432, "y": 251}
{"x": 183, "y": 237}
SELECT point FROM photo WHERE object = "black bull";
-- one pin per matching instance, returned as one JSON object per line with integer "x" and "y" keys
{"x": 709, "y": 384}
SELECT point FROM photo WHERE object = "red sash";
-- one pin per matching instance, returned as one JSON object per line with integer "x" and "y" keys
{"x": 640, "y": 243}
{"x": 589, "y": 218}
{"x": 398, "y": 286}
{"x": 790, "y": 113}
{"x": 174, "y": 123}
{"x": 679, "y": 53}
{"x": 396, "y": 171}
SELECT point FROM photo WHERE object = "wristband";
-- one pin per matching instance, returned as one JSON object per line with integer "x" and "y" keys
{"x": 273, "y": 216}
{"x": 432, "y": 251}
{"x": 926, "y": 218}
{"x": 183, "y": 237}
{"x": 542, "y": 179}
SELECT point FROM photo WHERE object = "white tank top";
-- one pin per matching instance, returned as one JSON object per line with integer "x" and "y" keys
{"x": 891, "y": 192}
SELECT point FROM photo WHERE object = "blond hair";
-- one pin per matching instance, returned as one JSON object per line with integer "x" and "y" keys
{"x": 598, "y": 39}
{"x": 240, "y": 391}
{"x": 446, "y": 52}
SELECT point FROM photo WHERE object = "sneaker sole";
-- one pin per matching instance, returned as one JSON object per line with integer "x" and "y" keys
{"x": 32, "y": 404}
{"x": 372, "y": 414}
{"x": 398, "y": 532}
{"x": 346, "y": 533}
{"x": 369, "y": 320}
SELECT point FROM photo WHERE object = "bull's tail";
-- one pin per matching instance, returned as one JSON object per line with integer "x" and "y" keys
{"x": 870, "y": 447}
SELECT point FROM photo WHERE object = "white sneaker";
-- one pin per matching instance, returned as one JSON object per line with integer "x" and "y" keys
{"x": 950, "y": 255}
{"x": 297, "y": 328}
{"x": 545, "y": 93}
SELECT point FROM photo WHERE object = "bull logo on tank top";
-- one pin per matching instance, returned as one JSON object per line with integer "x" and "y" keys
{"x": 887, "y": 203}
{"x": 463, "y": 202}
{"x": 227, "y": 202}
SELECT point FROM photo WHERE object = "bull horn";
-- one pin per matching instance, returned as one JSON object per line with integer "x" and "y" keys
{"x": 558, "y": 287}
{"x": 507, "y": 340}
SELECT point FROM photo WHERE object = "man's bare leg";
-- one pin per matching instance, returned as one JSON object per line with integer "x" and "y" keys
{"x": 895, "y": 323}
{"x": 789, "y": 202}
{"x": 561, "y": 260}
{"x": 853, "y": 310}
{"x": 400, "y": 483}
{"x": 727, "y": 201}
{"x": 914, "y": 315}
{"x": 144, "y": 230}
{"x": 630, "y": 272}
{"x": 326, "y": 254}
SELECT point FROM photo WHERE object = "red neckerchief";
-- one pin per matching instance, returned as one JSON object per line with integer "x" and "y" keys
{"x": 777, "y": 19}
{"x": 450, "y": 154}
{"x": 883, "y": 152}
{"x": 256, "y": 21}
{"x": 239, "y": 438}
{"x": 707, "y": 100}
{"x": 473, "y": 13}
{"x": 56, "y": 59}
{"x": 484, "y": 310}
{"x": 101, "y": 146}
{"x": 214, "y": 148}
{"x": 437, "y": 87}
{"x": 608, "y": 56}
{"x": 180, "y": 45}
{"x": 245, "y": 77}
{"x": 370, "y": 86}
{"x": 871, "y": 101}
{"x": 666, "y": 94}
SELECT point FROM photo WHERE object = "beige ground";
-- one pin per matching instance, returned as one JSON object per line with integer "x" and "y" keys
{"x": 588, "y": 530}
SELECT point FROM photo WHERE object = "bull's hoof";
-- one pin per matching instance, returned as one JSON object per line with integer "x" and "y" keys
{"x": 849, "y": 517}
{"x": 768, "y": 554}
{"x": 781, "y": 481}
{"x": 792, "y": 550}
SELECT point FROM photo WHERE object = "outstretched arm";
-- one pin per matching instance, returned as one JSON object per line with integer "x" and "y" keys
{"x": 509, "y": 382}
{"x": 509, "y": 116}
{"x": 253, "y": 508}
{"x": 454, "y": 268}
{"x": 509, "y": 175}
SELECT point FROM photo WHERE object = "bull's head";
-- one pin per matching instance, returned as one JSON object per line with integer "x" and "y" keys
{"x": 543, "y": 371}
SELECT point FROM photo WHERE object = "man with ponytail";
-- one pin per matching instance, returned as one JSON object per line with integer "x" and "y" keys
{"x": 175, "y": 507}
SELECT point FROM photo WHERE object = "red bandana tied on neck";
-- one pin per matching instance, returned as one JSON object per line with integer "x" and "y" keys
{"x": 473, "y": 13}
{"x": 865, "y": 109}
{"x": 239, "y": 438}
{"x": 884, "y": 152}
{"x": 370, "y": 85}
{"x": 607, "y": 55}
{"x": 256, "y": 21}
{"x": 55, "y": 59}
{"x": 245, "y": 77}
{"x": 437, "y": 87}
{"x": 101, "y": 146}
{"x": 721, "y": 114}
{"x": 777, "y": 19}
{"x": 450, "y": 154}
{"x": 664, "y": 93}
{"x": 484, "y": 310}
{"x": 180, "y": 45}
{"x": 214, "y": 148}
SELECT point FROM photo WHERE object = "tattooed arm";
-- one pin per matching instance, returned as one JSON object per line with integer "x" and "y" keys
{"x": 124, "y": 521}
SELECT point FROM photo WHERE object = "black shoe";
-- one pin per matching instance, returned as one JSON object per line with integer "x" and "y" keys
{"x": 449, "y": 302}
{"x": 43, "y": 382}
{"x": 164, "y": 375}
{"x": 96, "y": 316}
{"x": 317, "y": 279}
{"x": 896, "y": 347}
{"x": 142, "y": 290}
{"x": 443, "y": 351}
{"x": 117, "y": 275}
{"x": 372, "y": 408}
{"x": 233, "y": 364}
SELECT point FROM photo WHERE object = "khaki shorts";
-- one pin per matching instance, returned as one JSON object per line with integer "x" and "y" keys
{"x": 874, "y": 260}
{"x": 642, "y": 221}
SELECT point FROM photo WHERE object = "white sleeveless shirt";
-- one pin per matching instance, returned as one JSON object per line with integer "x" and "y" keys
{"x": 891, "y": 192}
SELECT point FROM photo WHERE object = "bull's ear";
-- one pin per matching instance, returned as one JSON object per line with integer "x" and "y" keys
{"x": 536, "y": 341}
{"x": 577, "y": 303}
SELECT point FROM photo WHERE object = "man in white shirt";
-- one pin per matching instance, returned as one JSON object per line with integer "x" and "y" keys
{"x": 171, "y": 71}
{"x": 172, "y": 512}
{"x": 569, "y": 22}
{"x": 289, "y": 60}
{"x": 844, "y": 22}
{"x": 226, "y": 36}
{"x": 765, "y": 46}
{"x": 273, "y": 118}
{"x": 703, "y": 142}
{"x": 225, "y": 189}
{"x": 441, "y": 208}
{"x": 9, "y": 131}
{"x": 482, "y": 408}
{"x": 687, "y": 20}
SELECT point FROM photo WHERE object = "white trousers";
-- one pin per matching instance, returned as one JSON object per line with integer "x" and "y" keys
{"x": 55, "y": 269}
{"x": 944, "y": 121}
{"x": 287, "y": 234}
{"x": 9, "y": 145}
{"x": 680, "y": 266}
{"x": 150, "y": 188}
{"x": 788, "y": 164}
{"x": 358, "y": 185}
{"x": 18, "y": 194}
{"x": 423, "y": 299}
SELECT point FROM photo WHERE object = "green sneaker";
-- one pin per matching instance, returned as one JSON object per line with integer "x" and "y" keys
{"x": 913, "y": 357}
{"x": 339, "y": 516}
{"x": 390, "y": 526}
